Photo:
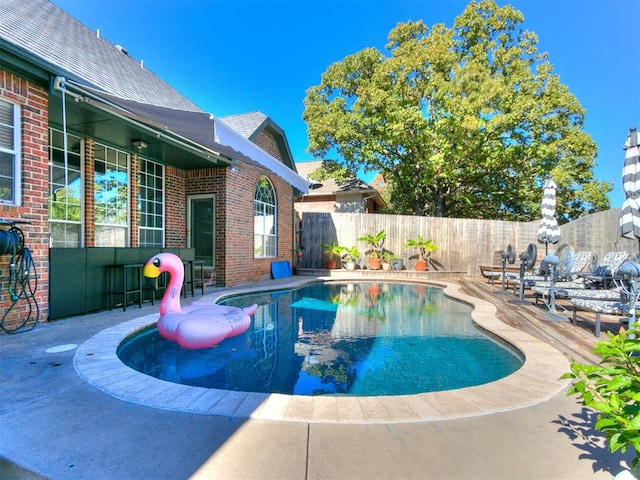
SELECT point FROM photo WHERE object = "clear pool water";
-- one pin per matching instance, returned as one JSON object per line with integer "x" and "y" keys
{"x": 359, "y": 339}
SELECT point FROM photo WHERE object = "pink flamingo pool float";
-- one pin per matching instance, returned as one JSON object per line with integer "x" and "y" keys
{"x": 201, "y": 324}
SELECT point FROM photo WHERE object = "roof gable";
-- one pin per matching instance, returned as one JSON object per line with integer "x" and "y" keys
{"x": 255, "y": 125}
{"x": 246, "y": 124}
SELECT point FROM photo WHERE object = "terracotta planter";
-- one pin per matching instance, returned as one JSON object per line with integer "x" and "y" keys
{"x": 421, "y": 266}
{"x": 374, "y": 292}
{"x": 331, "y": 264}
{"x": 374, "y": 263}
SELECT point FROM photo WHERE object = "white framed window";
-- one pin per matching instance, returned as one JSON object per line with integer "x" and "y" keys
{"x": 10, "y": 153}
{"x": 264, "y": 220}
{"x": 65, "y": 190}
{"x": 151, "y": 203}
{"x": 111, "y": 196}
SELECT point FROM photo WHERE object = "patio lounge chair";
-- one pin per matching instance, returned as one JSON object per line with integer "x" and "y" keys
{"x": 598, "y": 307}
{"x": 494, "y": 271}
{"x": 613, "y": 294}
{"x": 572, "y": 265}
{"x": 602, "y": 276}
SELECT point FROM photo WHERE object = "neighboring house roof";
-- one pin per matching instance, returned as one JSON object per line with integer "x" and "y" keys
{"x": 330, "y": 186}
{"x": 74, "y": 50}
{"x": 36, "y": 33}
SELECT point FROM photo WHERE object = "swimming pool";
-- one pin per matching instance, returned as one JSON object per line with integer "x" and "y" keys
{"x": 338, "y": 338}
{"x": 536, "y": 381}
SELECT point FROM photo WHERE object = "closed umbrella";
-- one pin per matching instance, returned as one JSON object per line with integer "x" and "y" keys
{"x": 549, "y": 230}
{"x": 630, "y": 215}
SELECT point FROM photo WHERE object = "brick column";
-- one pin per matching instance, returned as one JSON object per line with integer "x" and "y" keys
{"x": 89, "y": 186}
{"x": 134, "y": 232}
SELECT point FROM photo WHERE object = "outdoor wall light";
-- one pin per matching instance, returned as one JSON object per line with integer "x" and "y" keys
{"x": 233, "y": 166}
{"x": 139, "y": 145}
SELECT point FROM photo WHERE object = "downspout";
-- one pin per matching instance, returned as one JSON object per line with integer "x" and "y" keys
{"x": 296, "y": 232}
{"x": 64, "y": 136}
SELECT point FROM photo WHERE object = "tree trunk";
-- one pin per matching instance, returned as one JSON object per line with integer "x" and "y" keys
{"x": 439, "y": 205}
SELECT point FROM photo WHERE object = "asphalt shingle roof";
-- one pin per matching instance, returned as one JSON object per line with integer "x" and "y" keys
{"x": 245, "y": 124}
{"x": 330, "y": 185}
{"x": 72, "y": 49}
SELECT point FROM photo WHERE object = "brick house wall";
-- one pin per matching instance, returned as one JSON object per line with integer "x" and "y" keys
{"x": 34, "y": 104}
{"x": 267, "y": 140}
{"x": 315, "y": 203}
{"x": 234, "y": 197}
{"x": 234, "y": 194}
{"x": 175, "y": 228}
{"x": 235, "y": 263}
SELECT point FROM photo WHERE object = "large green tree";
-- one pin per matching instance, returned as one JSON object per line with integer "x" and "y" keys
{"x": 462, "y": 122}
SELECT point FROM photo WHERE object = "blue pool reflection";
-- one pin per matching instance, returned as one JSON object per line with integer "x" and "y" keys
{"x": 337, "y": 339}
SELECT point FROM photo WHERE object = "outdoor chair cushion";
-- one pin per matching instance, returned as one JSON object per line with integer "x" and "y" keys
{"x": 598, "y": 307}
{"x": 613, "y": 294}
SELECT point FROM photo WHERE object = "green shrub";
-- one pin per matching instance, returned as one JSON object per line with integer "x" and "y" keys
{"x": 613, "y": 388}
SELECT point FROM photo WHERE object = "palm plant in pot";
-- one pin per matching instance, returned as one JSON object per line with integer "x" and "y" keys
{"x": 425, "y": 248}
{"x": 350, "y": 257}
{"x": 375, "y": 247}
{"x": 333, "y": 251}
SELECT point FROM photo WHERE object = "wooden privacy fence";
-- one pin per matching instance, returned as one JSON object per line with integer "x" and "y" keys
{"x": 463, "y": 244}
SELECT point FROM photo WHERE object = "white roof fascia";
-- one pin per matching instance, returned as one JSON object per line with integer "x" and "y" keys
{"x": 226, "y": 136}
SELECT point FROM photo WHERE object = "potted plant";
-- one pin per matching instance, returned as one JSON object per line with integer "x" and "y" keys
{"x": 333, "y": 250}
{"x": 375, "y": 246}
{"x": 350, "y": 257}
{"x": 387, "y": 258}
{"x": 425, "y": 248}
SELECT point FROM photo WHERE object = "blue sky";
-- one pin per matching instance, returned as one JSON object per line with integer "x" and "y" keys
{"x": 239, "y": 56}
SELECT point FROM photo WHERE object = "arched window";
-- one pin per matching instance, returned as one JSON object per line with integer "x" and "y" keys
{"x": 264, "y": 220}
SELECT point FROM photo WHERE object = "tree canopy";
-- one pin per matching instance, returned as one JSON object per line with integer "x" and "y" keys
{"x": 466, "y": 121}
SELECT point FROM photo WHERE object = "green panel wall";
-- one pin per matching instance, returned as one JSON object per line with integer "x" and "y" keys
{"x": 78, "y": 282}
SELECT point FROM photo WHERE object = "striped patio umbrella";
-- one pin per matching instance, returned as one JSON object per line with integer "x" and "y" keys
{"x": 630, "y": 215}
{"x": 549, "y": 230}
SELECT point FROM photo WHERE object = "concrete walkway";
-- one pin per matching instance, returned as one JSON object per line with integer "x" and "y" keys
{"x": 53, "y": 424}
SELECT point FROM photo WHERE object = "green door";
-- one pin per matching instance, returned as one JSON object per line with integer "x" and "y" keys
{"x": 201, "y": 227}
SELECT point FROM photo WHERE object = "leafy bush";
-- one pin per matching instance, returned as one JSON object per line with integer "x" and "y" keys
{"x": 613, "y": 388}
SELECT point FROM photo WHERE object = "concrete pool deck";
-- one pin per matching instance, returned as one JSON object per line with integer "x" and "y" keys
{"x": 57, "y": 424}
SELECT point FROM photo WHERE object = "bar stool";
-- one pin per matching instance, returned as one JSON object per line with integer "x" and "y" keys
{"x": 188, "y": 282}
{"x": 200, "y": 265}
{"x": 131, "y": 276}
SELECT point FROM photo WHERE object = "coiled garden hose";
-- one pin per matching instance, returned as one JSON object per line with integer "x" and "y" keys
{"x": 23, "y": 281}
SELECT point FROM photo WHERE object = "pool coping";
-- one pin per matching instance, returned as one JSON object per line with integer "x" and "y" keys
{"x": 536, "y": 381}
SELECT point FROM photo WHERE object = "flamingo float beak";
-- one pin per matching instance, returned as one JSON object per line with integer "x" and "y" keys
{"x": 151, "y": 271}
